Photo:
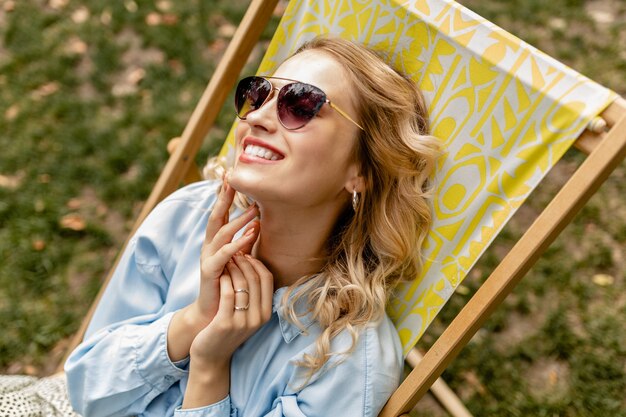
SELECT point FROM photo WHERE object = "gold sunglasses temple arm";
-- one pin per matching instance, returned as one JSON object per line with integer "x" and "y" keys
{"x": 344, "y": 114}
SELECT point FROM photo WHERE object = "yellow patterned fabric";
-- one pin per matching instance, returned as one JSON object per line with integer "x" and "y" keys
{"x": 505, "y": 112}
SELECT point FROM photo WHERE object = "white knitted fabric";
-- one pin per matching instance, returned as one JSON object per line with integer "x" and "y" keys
{"x": 28, "y": 396}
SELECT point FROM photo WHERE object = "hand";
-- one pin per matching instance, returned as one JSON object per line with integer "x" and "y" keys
{"x": 245, "y": 304}
{"x": 246, "y": 291}
{"x": 217, "y": 249}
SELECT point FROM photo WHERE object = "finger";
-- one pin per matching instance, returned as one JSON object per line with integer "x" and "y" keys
{"x": 226, "y": 233}
{"x": 266, "y": 281}
{"x": 214, "y": 264}
{"x": 228, "y": 189}
{"x": 227, "y": 297}
{"x": 240, "y": 285}
{"x": 256, "y": 225}
{"x": 219, "y": 215}
{"x": 253, "y": 284}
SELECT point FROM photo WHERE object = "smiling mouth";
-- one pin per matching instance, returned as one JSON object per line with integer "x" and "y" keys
{"x": 261, "y": 152}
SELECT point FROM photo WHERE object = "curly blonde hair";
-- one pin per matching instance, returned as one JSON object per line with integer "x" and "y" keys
{"x": 379, "y": 244}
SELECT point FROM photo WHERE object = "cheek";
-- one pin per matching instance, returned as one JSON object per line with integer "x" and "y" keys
{"x": 329, "y": 151}
{"x": 240, "y": 131}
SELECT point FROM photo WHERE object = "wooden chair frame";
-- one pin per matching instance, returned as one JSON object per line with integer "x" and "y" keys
{"x": 606, "y": 150}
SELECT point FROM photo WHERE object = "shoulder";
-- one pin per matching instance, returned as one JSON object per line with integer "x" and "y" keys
{"x": 167, "y": 230}
{"x": 183, "y": 206}
{"x": 375, "y": 353}
{"x": 383, "y": 361}
{"x": 378, "y": 342}
{"x": 383, "y": 348}
{"x": 201, "y": 194}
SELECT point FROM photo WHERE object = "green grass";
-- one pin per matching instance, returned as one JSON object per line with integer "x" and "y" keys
{"x": 90, "y": 93}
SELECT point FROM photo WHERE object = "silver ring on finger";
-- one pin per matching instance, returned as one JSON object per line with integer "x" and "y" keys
{"x": 244, "y": 291}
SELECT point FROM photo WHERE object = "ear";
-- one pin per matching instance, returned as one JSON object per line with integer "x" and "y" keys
{"x": 355, "y": 180}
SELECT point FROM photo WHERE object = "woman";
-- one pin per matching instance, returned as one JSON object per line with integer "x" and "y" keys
{"x": 277, "y": 309}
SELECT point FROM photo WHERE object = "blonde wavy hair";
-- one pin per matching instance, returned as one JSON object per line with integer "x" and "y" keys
{"x": 379, "y": 244}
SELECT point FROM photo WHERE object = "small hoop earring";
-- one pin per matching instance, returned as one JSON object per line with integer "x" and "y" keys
{"x": 355, "y": 200}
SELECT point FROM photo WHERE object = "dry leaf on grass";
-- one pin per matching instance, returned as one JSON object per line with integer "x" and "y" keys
{"x": 136, "y": 75}
{"x": 75, "y": 46}
{"x": 58, "y": 4}
{"x": 9, "y": 6}
{"x": 74, "y": 203}
{"x": 553, "y": 377}
{"x": 45, "y": 90}
{"x": 603, "y": 280}
{"x": 474, "y": 382}
{"x": 30, "y": 370}
{"x": 153, "y": 19}
{"x": 10, "y": 181}
{"x": 164, "y": 5}
{"x": 131, "y": 6}
{"x": 462, "y": 289}
{"x": 39, "y": 245}
{"x": 170, "y": 19}
{"x": 128, "y": 84}
{"x": 81, "y": 15}
{"x": 105, "y": 17}
{"x": 218, "y": 46}
{"x": 12, "y": 112}
{"x": 73, "y": 221}
{"x": 227, "y": 30}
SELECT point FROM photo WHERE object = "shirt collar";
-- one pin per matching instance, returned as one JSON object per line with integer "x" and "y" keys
{"x": 289, "y": 330}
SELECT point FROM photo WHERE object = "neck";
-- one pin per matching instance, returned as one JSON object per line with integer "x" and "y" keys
{"x": 292, "y": 242}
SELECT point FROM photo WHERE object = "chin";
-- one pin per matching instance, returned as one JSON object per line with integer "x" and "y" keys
{"x": 261, "y": 189}
{"x": 246, "y": 182}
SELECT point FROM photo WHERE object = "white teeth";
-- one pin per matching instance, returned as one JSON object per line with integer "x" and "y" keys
{"x": 258, "y": 151}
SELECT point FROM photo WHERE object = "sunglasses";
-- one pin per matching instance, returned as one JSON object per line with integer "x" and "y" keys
{"x": 296, "y": 105}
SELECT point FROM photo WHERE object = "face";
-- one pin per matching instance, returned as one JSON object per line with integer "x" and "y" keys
{"x": 309, "y": 166}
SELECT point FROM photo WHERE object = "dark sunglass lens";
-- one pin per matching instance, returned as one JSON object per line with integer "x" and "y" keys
{"x": 251, "y": 93}
{"x": 298, "y": 103}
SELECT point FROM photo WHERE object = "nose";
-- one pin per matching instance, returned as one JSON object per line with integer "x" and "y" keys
{"x": 265, "y": 117}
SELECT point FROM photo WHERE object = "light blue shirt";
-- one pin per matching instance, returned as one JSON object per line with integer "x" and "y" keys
{"x": 122, "y": 367}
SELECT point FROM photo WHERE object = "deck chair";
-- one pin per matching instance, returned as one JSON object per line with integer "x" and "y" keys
{"x": 505, "y": 113}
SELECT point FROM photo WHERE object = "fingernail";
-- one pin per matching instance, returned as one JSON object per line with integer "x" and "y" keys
{"x": 247, "y": 256}
{"x": 249, "y": 232}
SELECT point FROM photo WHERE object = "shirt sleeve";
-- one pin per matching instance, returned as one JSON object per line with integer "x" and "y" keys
{"x": 220, "y": 409}
{"x": 122, "y": 364}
